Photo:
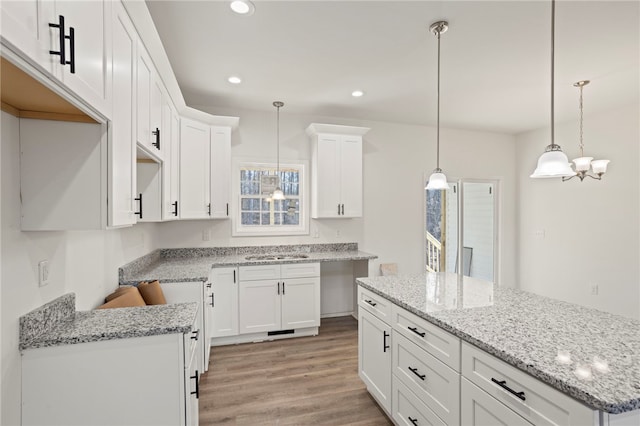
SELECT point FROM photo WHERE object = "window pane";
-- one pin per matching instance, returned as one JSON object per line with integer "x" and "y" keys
{"x": 265, "y": 219}
{"x": 250, "y": 218}
{"x": 250, "y": 204}
{"x": 292, "y": 220}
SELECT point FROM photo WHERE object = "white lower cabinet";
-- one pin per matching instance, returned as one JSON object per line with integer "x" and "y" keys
{"x": 185, "y": 292}
{"x": 408, "y": 409}
{"x": 223, "y": 302}
{"x": 374, "y": 357}
{"x": 480, "y": 409}
{"x": 279, "y": 297}
{"x": 134, "y": 381}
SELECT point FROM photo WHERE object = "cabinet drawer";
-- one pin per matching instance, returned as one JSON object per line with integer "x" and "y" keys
{"x": 480, "y": 409}
{"x": 260, "y": 272}
{"x": 442, "y": 345}
{"x": 435, "y": 384}
{"x": 540, "y": 403}
{"x": 299, "y": 270}
{"x": 377, "y": 305}
{"x": 407, "y": 409}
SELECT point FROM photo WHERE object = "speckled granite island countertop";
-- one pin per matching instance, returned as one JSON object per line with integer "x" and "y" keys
{"x": 527, "y": 330}
{"x": 194, "y": 264}
{"x": 57, "y": 323}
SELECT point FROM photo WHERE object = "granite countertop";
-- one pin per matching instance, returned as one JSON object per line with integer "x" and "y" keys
{"x": 57, "y": 323}
{"x": 527, "y": 331}
{"x": 177, "y": 265}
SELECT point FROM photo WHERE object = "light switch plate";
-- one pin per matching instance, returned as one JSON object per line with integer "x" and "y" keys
{"x": 43, "y": 273}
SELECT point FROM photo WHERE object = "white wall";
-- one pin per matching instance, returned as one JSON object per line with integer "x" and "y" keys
{"x": 591, "y": 232}
{"x": 396, "y": 158}
{"x": 84, "y": 262}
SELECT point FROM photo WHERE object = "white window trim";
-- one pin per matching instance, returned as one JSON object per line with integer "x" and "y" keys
{"x": 239, "y": 230}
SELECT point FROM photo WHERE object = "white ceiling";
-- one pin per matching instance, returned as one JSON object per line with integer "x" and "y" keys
{"x": 495, "y": 58}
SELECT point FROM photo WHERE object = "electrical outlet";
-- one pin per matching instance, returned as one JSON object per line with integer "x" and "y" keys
{"x": 594, "y": 289}
{"x": 316, "y": 234}
{"x": 540, "y": 234}
{"x": 43, "y": 273}
{"x": 206, "y": 234}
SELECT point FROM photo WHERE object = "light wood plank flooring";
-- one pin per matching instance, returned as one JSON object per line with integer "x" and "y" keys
{"x": 299, "y": 381}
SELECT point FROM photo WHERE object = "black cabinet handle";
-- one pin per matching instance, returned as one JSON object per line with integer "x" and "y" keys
{"x": 227, "y": 209}
{"x": 139, "y": 212}
{"x": 175, "y": 208}
{"x": 212, "y": 300}
{"x": 384, "y": 341}
{"x": 209, "y": 209}
{"x": 415, "y": 371}
{"x": 234, "y": 276}
{"x": 413, "y": 421}
{"x": 371, "y": 303}
{"x": 156, "y": 133}
{"x": 338, "y": 209}
{"x": 61, "y": 38}
{"x": 72, "y": 49}
{"x": 197, "y": 391}
{"x": 278, "y": 288}
{"x": 208, "y": 285}
{"x": 343, "y": 210}
{"x": 415, "y": 330}
{"x": 503, "y": 385}
{"x": 195, "y": 334}
{"x": 283, "y": 288}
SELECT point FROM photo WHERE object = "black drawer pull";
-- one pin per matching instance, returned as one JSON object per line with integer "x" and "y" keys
{"x": 139, "y": 212}
{"x": 61, "y": 38}
{"x": 156, "y": 133}
{"x": 415, "y": 330}
{"x": 413, "y": 421}
{"x": 371, "y": 303}
{"x": 384, "y": 341}
{"x": 175, "y": 208}
{"x": 195, "y": 334}
{"x": 415, "y": 371}
{"x": 213, "y": 305}
{"x": 72, "y": 49}
{"x": 503, "y": 385}
{"x": 197, "y": 391}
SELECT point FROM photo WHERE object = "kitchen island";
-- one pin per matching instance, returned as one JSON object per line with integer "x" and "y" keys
{"x": 589, "y": 355}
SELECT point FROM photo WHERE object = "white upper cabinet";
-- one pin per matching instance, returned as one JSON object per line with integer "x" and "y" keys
{"x": 194, "y": 170}
{"x": 171, "y": 165}
{"x": 149, "y": 110}
{"x": 220, "y": 171}
{"x": 122, "y": 155}
{"x": 70, "y": 40}
{"x": 336, "y": 170}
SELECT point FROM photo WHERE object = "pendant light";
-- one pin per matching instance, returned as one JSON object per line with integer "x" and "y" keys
{"x": 278, "y": 194}
{"x": 438, "y": 180}
{"x": 582, "y": 164}
{"x": 553, "y": 162}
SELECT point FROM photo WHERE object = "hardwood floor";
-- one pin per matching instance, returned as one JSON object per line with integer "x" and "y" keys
{"x": 299, "y": 381}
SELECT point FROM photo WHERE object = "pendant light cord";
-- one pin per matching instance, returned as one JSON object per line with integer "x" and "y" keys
{"x": 438, "y": 110}
{"x": 278, "y": 146}
{"x": 553, "y": 26}
{"x": 581, "y": 119}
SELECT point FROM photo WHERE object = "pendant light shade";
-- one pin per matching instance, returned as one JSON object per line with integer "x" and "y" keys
{"x": 278, "y": 194}
{"x": 438, "y": 180}
{"x": 553, "y": 162}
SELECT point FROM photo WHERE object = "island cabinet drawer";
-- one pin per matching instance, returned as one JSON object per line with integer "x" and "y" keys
{"x": 407, "y": 409}
{"x": 439, "y": 343}
{"x": 299, "y": 270}
{"x": 435, "y": 384}
{"x": 377, "y": 305}
{"x": 259, "y": 272}
{"x": 527, "y": 396}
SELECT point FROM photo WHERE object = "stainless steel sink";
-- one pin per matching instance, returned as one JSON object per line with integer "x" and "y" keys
{"x": 277, "y": 256}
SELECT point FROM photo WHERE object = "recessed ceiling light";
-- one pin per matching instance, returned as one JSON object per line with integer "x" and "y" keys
{"x": 357, "y": 93}
{"x": 242, "y": 7}
{"x": 234, "y": 79}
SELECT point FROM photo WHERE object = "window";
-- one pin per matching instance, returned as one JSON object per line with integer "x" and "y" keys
{"x": 257, "y": 213}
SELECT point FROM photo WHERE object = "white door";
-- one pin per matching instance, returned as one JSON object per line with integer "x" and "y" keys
{"x": 220, "y": 171}
{"x": 327, "y": 177}
{"x": 374, "y": 346}
{"x": 25, "y": 25}
{"x": 143, "y": 107}
{"x": 194, "y": 170}
{"x": 300, "y": 302}
{"x": 224, "y": 304}
{"x": 259, "y": 303}
{"x": 168, "y": 163}
{"x": 175, "y": 165}
{"x": 155, "y": 118}
{"x": 122, "y": 155}
{"x": 478, "y": 408}
{"x": 351, "y": 176}
{"x": 88, "y": 51}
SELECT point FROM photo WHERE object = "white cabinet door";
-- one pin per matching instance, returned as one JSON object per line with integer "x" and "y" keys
{"x": 224, "y": 304}
{"x": 155, "y": 116}
{"x": 170, "y": 166}
{"x": 300, "y": 303}
{"x": 25, "y": 26}
{"x": 143, "y": 86}
{"x": 149, "y": 190}
{"x": 175, "y": 164}
{"x": 478, "y": 408}
{"x": 194, "y": 170}
{"x": 88, "y": 48}
{"x": 326, "y": 177}
{"x": 220, "y": 171}
{"x": 260, "y": 306}
{"x": 122, "y": 155}
{"x": 374, "y": 357}
{"x": 351, "y": 176}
